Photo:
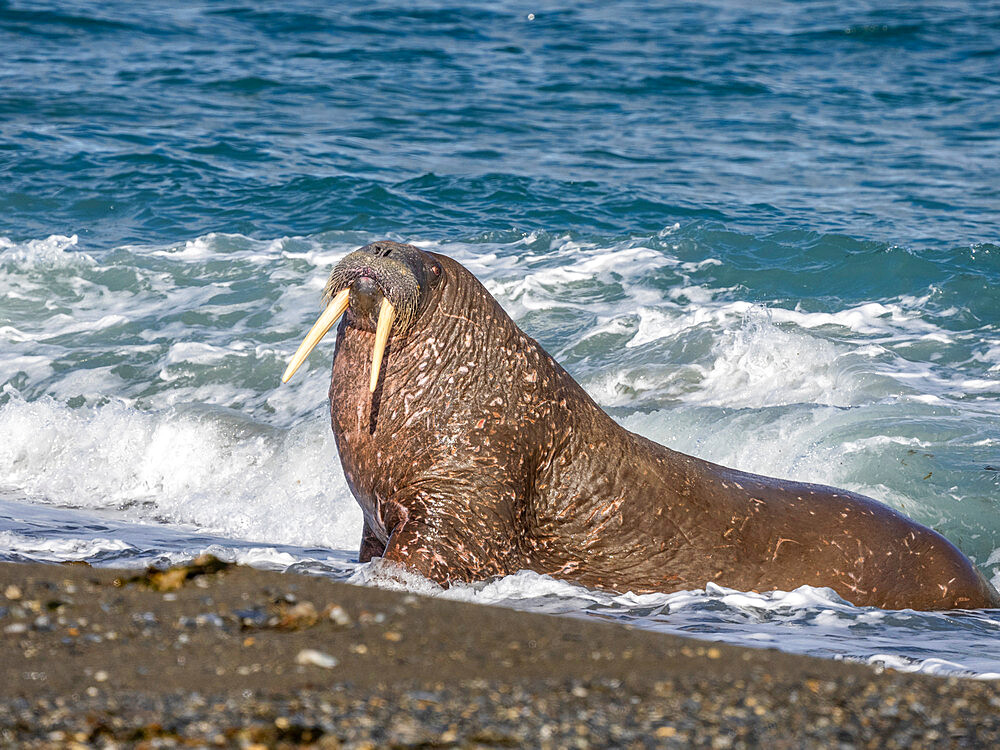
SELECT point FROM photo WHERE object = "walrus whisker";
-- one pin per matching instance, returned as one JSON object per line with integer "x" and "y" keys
{"x": 325, "y": 322}
{"x": 385, "y": 315}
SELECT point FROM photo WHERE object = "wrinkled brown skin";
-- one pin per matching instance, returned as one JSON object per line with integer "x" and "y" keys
{"x": 478, "y": 456}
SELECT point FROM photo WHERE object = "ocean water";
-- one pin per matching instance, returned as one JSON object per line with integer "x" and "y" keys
{"x": 766, "y": 236}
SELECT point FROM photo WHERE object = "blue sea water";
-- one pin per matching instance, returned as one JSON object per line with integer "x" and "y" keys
{"x": 763, "y": 234}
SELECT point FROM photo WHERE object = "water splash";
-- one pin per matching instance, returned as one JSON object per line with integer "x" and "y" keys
{"x": 143, "y": 423}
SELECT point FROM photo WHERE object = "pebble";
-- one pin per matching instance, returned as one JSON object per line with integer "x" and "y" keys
{"x": 314, "y": 658}
{"x": 544, "y": 713}
{"x": 13, "y": 592}
{"x": 298, "y": 616}
{"x": 706, "y": 704}
{"x": 338, "y": 615}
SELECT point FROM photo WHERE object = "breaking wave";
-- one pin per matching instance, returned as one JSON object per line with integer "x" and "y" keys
{"x": 143, "y": 423}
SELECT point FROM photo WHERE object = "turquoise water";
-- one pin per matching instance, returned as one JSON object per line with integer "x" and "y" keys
{"x": 766, "y": 236}
{"x": 151, "y": 121}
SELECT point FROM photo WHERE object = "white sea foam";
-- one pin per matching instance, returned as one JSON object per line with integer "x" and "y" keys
{"x": 55, "y": 549}
{"x": 758, "y": 364}
{"x": 805, "y": 620}
{"x": 760, "y": 356}
{"x": 51, "y": 252}
{"x": 30, "y": 367}
{"x": 196, "y": 324}
{"x": 534, "y": 288}
{"x": 932, "y": 665}
{"x": 869, "y": 318}
{"x": 214, "y": 469}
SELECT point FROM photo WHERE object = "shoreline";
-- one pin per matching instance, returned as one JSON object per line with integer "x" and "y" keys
{"x": 223, "y": 655}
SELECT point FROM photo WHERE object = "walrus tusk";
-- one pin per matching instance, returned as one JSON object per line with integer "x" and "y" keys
{"x": 330, "y": 315}
{"x": 385, "y": 315}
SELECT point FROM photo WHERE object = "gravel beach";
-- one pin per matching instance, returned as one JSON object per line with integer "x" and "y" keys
{"x": 217, "y": 655}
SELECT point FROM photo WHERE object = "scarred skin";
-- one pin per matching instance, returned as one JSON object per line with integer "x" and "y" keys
{"x": 478, "y": 455}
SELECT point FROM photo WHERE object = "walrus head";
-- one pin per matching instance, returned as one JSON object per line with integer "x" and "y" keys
{"x": 384, "y": 287}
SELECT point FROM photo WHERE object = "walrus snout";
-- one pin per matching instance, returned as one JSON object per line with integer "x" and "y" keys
{"x": 387, "y": 279}
{"x": 365, "y": 299}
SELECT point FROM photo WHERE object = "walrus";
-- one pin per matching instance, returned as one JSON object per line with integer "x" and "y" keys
{"x": 473, "y": 454}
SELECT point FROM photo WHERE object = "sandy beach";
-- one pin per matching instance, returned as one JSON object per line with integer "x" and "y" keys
{"x": 228, "y": 656}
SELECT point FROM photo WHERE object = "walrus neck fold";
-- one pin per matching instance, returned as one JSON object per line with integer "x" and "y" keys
{"x": 432, "y": 353}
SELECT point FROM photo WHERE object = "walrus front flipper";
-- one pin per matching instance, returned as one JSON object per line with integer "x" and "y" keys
{"x": 371, "y": 545}
{"x": 446, "y": 549}
{"x": 409, "y": 547}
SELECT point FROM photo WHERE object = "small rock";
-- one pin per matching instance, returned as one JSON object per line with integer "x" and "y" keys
{"x": 298, "y": 616}
{"x": 206, "y": 563}
{"x": 43, "y": 623}
{"x": 172, "y": 579}
{"x": 13, "y": 592}
{"x": 338, "y": 615}
{"x": 101, "y": 676}
{"x": 168, "y": 580}
{"x": 314, "y": 658}
{"x": 252, "y": 618}
{"x": 406, "y": 731}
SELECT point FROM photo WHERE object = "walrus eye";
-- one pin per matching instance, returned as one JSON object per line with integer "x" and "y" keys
{"x": 436, "y": 270}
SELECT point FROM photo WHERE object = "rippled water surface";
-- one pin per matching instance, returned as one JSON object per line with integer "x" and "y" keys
{"x": 766, "y": 236}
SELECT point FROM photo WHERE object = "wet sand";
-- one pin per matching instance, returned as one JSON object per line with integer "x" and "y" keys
{"x": 235, "y": 657}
